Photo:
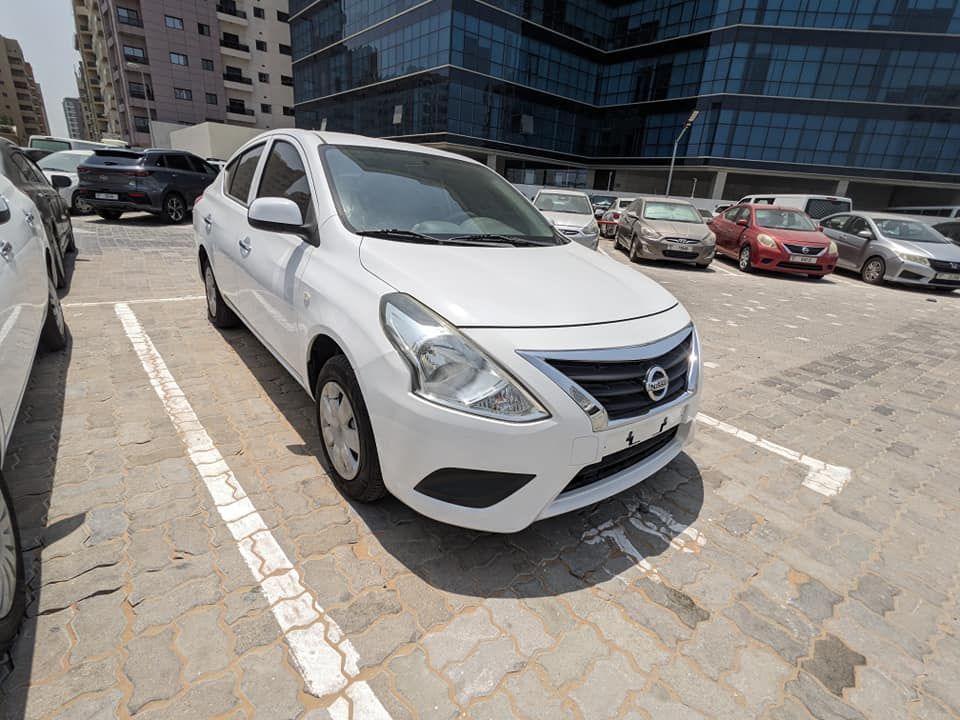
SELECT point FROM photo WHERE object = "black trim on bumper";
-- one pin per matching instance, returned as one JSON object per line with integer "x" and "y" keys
{"x": 471, "y": 488}
{"x": 623, "y": 460}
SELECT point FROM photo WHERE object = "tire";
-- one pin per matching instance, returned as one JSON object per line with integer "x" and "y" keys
{"x": 355, "y": 471}
{"x": 745, "y": 259}
{"x": 12, "y": 585}
{"x": 109, "y": 214}
{"x": 53, "y": 336}
{"x": 71, "y": 241}
{"x": 174, "y": 209}
{"x": 634, "y": 255}
{"x": 703, "y": 266}
{"x": 218, "y": 313}
{"x": 816, "y": 277}
{"x": 79, "y": 206}
{"x": 873, "y": 271}
{"x": 59, "y": 267}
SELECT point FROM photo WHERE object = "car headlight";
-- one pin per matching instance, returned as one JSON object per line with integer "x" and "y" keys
{"x": 832, "y": 249}
{"x": 591, "y": 229}
{"x": 710, "y": 239}
{"x": 649, "y": 232}
{"x": 449, "y": 369}
{"x": 919, "y": 259}
{"x": 766, "y": 240}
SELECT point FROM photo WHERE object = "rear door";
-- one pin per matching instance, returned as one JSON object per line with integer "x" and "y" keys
{"x": 224, "y": 219}
{"x": 23, "y": 292}
{"x": 271, "y": 270}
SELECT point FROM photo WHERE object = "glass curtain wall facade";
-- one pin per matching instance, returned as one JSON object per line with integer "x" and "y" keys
{"x": 858, "y": 88}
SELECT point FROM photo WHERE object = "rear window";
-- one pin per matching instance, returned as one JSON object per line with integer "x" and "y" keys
{"x": 112, "y": 158}
{"x": 821, "y": 207}
{"x": 48, "y": 144}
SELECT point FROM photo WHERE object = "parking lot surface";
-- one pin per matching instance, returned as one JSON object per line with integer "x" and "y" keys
{"x": 188, "y": 557}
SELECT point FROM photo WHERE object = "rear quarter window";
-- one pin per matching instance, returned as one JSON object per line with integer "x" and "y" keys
{"x": 239, "y": 174}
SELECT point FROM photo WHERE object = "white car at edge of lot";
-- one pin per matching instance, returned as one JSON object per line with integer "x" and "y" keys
{"x": 572, "y": 213}
{"x": 30, "y": 315}
{"x": 434, "y": 316}
{"x": 65, "y": 163}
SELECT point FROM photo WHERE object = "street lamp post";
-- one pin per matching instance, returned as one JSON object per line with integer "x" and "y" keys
{"x": 673, "y": 158}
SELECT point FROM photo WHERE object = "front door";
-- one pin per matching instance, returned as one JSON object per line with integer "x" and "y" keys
{"x": 833, "y": 229}
{"x": 270, "y": 275}
{"x": 854, "y": 249}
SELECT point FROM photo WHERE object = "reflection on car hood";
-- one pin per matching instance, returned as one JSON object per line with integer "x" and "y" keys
{"x": 568, "y": 220}
{"x": 667, "y": 228}
{"x": 516, "y": 287}
{"x": 800, "y": 237}
{"x": 938, "y": 251}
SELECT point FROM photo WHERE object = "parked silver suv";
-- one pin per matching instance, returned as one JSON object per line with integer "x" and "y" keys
{"x": 894, "y": 248}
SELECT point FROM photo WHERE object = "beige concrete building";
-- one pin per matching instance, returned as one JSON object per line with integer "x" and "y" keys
{"x": 22, "y": 113}
{"x": 184, "y": 62}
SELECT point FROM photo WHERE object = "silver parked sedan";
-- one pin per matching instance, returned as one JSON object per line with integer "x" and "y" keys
{"x": 656, "y": 228}
{"x": 894, "y": 248}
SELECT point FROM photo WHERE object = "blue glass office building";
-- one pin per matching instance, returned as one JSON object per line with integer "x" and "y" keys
{"x": 856, "y": 97}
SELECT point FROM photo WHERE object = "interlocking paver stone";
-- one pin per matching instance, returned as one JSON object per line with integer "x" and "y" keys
{"x": 153, "y": 669}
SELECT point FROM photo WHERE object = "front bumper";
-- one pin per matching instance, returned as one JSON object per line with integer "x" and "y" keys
{"x": 417, "y": 440}
{"x": 911, "y": 273}
{"x": 780, "y": 260}
{"x": 670, "y": 249}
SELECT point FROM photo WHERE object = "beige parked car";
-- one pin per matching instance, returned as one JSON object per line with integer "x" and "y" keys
{"x": 659, "y": 228}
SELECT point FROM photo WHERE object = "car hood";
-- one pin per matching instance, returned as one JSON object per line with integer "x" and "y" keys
{"x": 798, "y": 237}
{"x": 694, "y": 231}
{"x": 938, "y": 251}
{"x": 553, "y": 286}
{"x": 568, "y": 220}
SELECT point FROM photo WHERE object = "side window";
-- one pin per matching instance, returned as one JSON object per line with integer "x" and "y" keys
{"x": 856, "y": 225}
{"x": 836, "y": 223}
{"x": 950, "y": 230}
{"x": 767, "y": 200}
{"x": 744, "y": 214}
{"x": 285, "y": 177}
{"x": 240, "y": 174}
{"x": 177, "y": 162}
{"x": 731, "y": 214}
{"x": 27, "y": 170}
{"x": 199, "y": 166}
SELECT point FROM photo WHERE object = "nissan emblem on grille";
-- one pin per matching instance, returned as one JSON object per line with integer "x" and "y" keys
{"x": 806, "y": 250}
{"x": 656, "y": 383}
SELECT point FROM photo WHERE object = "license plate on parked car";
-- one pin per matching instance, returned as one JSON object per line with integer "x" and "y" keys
{"x": 949, "y": 276}
{"x": 803, "y": 259}
{"x": 106, "y": 196}
{"x": 678, "y": 246}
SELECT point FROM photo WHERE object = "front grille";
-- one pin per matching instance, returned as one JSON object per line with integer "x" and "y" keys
{"x": 682, "y": 241}
{"x": 610, "y": 465}
{"x": 684, "y": 254}
{"x": 619, "y": 386}
{"x": 812, "y": 250}
{"x": 944, "y": 266}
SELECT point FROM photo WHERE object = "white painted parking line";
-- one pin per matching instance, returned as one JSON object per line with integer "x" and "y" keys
{"x": 711, "y": 365}
{"x": 717, "y": 266}
{"x": 822, "y": 477}
{"x": 327, "y": 666}
{"x": 181, "y": 298}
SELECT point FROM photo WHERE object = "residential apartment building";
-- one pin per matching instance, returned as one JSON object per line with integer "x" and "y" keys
{"x": 848, "y": 98}
{"x": 73, "y": 114}
{"x": 184, "y": 61}
{"x": 21, "y": 101}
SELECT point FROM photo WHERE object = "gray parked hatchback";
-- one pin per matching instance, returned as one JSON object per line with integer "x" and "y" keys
{"x": 659, "y": 228}
{"x": 894, "y": 248}
{"x": 162, "y": 182}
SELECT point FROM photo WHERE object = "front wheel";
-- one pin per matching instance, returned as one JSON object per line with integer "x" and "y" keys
{"x": 12, "y": 585}
{"x": 634, "y": 249}
{"x": 174, "y": 209}
{"x": 873, "y": 271}
{"x": 348, "y": 448}
{"x": 746, "y": 259}
{"x": 53, "y": 336}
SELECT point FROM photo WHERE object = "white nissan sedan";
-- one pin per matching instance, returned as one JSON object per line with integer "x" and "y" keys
{"x": 426, "y": 306}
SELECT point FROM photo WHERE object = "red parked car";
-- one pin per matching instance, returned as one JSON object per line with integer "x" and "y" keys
{"x": 768, "y": 237}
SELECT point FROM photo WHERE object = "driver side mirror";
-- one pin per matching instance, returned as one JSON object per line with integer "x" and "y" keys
{"x": 4, "y": 210}
{"x": 820, "y": 227}
{"x": 866, "y": 234}
{"x": 60, "y": 181}
{"x": 743, "y": 222}
{"x": 276, "y": 215}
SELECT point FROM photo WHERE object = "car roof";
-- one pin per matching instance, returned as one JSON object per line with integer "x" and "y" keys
{"x": 765, "y": 206}
{"x": 892, "y": 216}
{"x": 561, "y": 191}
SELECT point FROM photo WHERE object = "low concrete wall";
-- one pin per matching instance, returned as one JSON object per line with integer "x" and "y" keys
{"x": 212, "y": 140}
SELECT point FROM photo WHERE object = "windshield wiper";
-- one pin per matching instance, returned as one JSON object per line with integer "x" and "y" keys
{"x": 493, "y": 238}
{"x": 402, "y": 235}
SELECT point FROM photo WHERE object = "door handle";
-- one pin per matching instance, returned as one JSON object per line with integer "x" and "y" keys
{"x": 245, "y": 247}
{"x": 208, "y": 220}
{"x": 6, "y": 251}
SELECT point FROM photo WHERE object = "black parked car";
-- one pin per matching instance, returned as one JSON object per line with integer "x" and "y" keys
{"x": 54, "y": 214}
{"x": 163, "y": 182}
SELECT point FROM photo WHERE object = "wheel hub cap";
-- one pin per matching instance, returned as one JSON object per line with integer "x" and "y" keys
{"x": 175, "y": 208}
{"x": 338, "y": 426}
{"x": 8, "y": 560}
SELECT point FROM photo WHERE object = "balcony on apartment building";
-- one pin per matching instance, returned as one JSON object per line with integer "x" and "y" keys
{"x": 229, "y": 13}
{"x": 237, "y": 111}
{"x": 230, "y": 45}
{"x": 234, "y": 79}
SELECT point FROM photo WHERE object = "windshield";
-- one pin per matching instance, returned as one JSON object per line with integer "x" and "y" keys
{"x": 674, "y": 212}
{"x": 379, "y": 189}
{"x": 65, "y": 162}
{"x": 48, "y": 144}
{"x": 784, "y": 220}
{"x": 909, "y": 230}
{"x": 557, "y": 202}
